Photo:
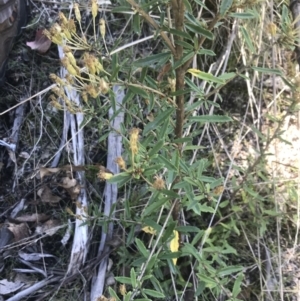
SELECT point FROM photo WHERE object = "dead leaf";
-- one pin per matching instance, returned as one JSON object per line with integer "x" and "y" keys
{"x": 35, "y": 217}
{"x": 20, "y": 231}
{"x": 165, "y": 69}
{"x": 74, "y": 192}
{"x": 24, "y": 155}
{"x": 50, "y": 227}
{"x": 41, "y": 42}
{"x": 68, "y": 183}
{"x": 47, "y": 196}
{"x": 8, "y": 287}
{"x": 44, "y": 171}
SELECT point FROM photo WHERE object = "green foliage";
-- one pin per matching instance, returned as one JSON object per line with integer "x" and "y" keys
{"x": 173, "y": 175}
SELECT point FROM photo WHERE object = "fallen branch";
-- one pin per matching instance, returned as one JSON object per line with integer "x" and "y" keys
{"x": 111, "y": 191}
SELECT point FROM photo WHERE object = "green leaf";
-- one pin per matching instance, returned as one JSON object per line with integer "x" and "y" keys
{"x": 158, "y": 145}
{"x": 125, "y": 280}
{"x": 225, "y": 6}
{"x": 230, "y": 270}
{"x": 206, "y": 76}
{"x": 179, "y": 33}
{"x": 137, "y": 23}
{"x": 237, "y": 285}
{"x": 160, "y": 58}
{"x": 245, "y": 16}
{"x": 199, "y": 30}
{"x": 187, "y": 229}
{"x": 120, "y": 177}
{"x": 141, "y": 247}
{"x": 127, "y": 297}
{"x": 184, "y": 59}
{"x": 122, "y": 9}
{"x": 167, "y": 163}
{"x": 153, "y": 224}
{"x": 169, "y": 193}
{"x": 153, "y": 293}
{"x": 162, "y": 116}
{"x": 113, "y": 294}
{"x": 155, "y": 206}
{"x": 206, "y": 52}
{"x": 133, "y": 277}
{"x": 138, "y": 90}
{"x": 209, "y": 282}
{"x": 268, "y": 70}
{"x": 185, "y": 45}
{"x": 247, "y": 39}
{"x": 188, "y": 249}
{"x": 211, "y": 118}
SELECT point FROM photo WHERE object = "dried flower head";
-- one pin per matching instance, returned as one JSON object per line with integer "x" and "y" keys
{"x": 271, "y": 29}
{"x": 122, "y": 289}
{"x": 77, "y": 12}
{"x": 62, "y": 18}
{"x": 103, "y": 85}
{"x": 133, "y": 141}
{"x": 104, "y": 173}
{"x": 159, "y": 183}
{"x": 102, "y": 27}
{"x": 121, "y": 163}
{"x": 94, "y": 8}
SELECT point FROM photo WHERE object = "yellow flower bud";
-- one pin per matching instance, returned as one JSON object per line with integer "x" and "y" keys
{"x": 102, "y": 27}
{"x": 94, "y": 8}
{"x": 77, "y": 12}
{"x": 121, "y": 163}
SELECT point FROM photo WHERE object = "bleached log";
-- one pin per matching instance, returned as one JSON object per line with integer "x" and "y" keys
{"x": 114, "y": 147}
{"x": 81, "y": 232}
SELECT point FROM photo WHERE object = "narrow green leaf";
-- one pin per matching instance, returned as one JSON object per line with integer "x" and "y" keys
{"x": 185, "y": 45}
{"x": 141, "y": 247}
{"x": 225, "y": 6}
{"x": 120, "y": 177}
{"x": 121, "y": 9}
{"x": 127, "y": 297}
{"x": 170, "y": 193}
{"x": 244, "y": 16}
{"x": 155, "y": 206}
{"x": 179, "y": 33}
{"x": 209, "y": 282}
{"x": 133, "y": 277}
{"x": 200, "y": 30}
{"x": 211, "y": 118}
{"x": 237, "y": 285}
{"x": 230, "y": 270}
{"x": 206, "y": 52}
{"x": 162, "y": 116}
{"x": 188, "y": 249}
{"x": 137, "y": 23}
{"x": 125, "y": 280}
{"x": 184, "y": 59}
{"x": 138, "y": 90}
{"x": 167, "y": 163}
{"x": 153, "y": 293}
{"x": 206, "y": 76}
{"x": 113, "y": 294}
{"x": 268, "y": 70}
{"x": 153, "y": 59}
{"x": 247, "y": 39}
{"x": 158, "y": 145}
